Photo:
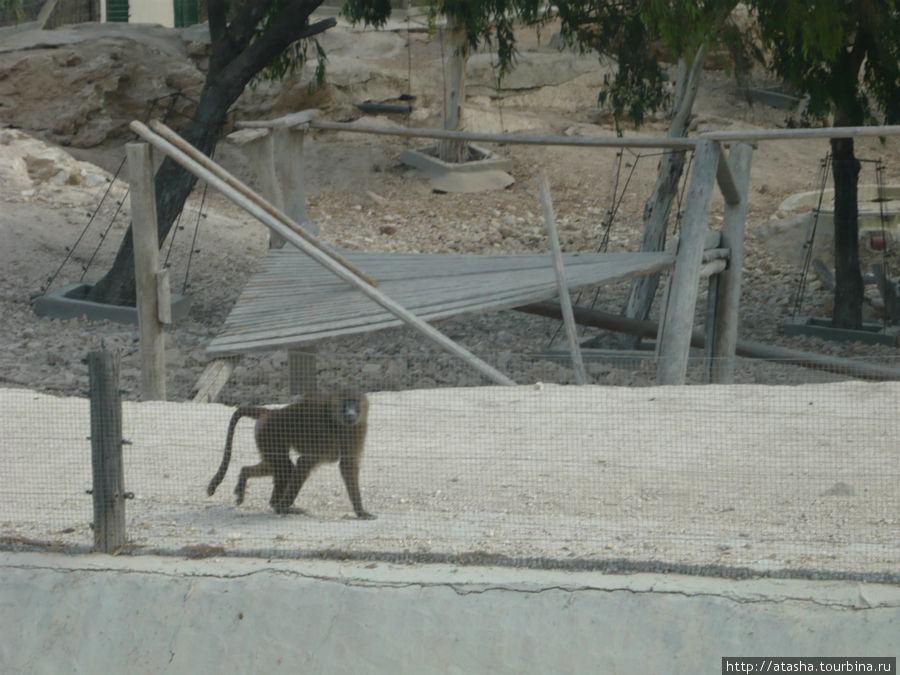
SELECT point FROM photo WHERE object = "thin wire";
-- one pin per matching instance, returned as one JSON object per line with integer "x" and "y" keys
{"x": 616, "y": 198}
{"x": 70, "y": 250}
{"x": 807, "y": 258}
{"x": 881, "y": 198}
{"x": 679, "y": 210}
{"x": 187, "y": 270}
{"x": 87, "y": 265}
{"x": 172, "y": 101}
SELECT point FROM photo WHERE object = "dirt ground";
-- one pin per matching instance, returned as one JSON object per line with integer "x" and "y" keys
{"x": 363, "y": 198}
{"x": 744, "y": 476}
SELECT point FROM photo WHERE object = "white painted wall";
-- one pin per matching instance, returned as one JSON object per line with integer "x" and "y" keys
{"x": 152, "y": 11}
{"x": 147, "y": 11}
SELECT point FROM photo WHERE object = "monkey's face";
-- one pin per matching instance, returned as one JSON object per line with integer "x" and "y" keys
{"x": 350, "y": 411}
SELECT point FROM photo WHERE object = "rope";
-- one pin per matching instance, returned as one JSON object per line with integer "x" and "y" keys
{"x": 193, "y": 249}
{"x": 881, "y": 198}
{"x": 70, "y": 251}
{"x": 95, "y": 213}
{"x": 807, "y": 258}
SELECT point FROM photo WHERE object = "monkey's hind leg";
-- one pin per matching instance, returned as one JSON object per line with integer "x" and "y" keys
{"x": 247, "y": 472}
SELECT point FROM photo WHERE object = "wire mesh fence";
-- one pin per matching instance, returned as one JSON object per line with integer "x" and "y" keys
{"x": 735, "y": 479}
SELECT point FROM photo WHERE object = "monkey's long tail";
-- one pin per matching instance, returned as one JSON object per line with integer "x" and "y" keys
{"x": 243, "y": 411}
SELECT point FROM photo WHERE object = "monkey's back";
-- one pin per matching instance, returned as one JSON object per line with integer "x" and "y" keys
{"x": 311, "y": 428}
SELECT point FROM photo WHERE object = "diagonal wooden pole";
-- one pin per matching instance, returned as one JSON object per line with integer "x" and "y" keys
{"x": 221, "y": 173}
{"x": 255, "y": 207}
{"x": 678, "y": 322}
{"x": 565, "y": 300}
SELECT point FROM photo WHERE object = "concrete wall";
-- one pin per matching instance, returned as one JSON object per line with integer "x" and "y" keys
{"x": 96, "y": 613}
{"x": 152, "y": 11}
{"x": 147, "y": 11}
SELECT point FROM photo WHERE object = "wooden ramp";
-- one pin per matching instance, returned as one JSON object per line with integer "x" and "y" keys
{"x": 293, "y": 299}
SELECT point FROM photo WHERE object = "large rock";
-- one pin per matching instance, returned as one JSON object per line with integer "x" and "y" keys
{"x": 82, "y": 85}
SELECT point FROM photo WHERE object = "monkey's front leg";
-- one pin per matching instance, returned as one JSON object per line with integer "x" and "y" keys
{"x": 288, "y": 486}
{"x": 350, "y": 473}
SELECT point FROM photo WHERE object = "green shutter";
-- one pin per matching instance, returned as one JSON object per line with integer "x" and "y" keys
{"x": 187, "y": 12}
{"x": 117, "y": 10}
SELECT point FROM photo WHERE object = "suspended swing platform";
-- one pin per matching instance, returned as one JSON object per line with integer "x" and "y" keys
{"x": 293, "y": 299}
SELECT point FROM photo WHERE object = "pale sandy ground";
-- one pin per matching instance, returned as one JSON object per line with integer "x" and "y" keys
{"x": 800, "y": 477}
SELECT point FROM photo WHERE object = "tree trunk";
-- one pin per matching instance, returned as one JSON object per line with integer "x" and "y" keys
{"x": 848, "y": 284}
{"x": 658, "y": 206}
{"x": 238, "y": 55}
{"x": 848, "y": 293}
{"x": 454, "y": 92}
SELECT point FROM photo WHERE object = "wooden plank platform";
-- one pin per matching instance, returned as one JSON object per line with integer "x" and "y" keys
{"x": 293, "y": 299}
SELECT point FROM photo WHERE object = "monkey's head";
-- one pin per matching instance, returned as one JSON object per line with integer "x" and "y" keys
{"x": 352, "y": 408}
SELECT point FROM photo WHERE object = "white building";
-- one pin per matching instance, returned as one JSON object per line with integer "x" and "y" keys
{"x": 166, "y": 12}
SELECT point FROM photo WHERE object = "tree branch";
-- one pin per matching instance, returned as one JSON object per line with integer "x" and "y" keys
{"x": 290, "y": 26}
{"x": 243, "y": 28}
{"x": 319, "y": 27}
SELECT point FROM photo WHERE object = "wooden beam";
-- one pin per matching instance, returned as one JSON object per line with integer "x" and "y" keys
{"x": 285, "y": 122}
{"x": 604, "y": 141}
{"x": 213, "y": 379}
{"x": 726, "y": 181}
{"x": 512, "y": 139}
{"x": 677, "y": 324}
{"x": 146, "y": 268}
{"x": 754, "y": 350}
{"x": 792, "y": 134}
{"x": 713, "y": 267}
{"x": 727, "y": 298}
{"x": 256, "y": 208}
{"x": 565, "y": 300}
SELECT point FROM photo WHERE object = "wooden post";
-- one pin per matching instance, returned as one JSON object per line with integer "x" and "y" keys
{"x": 287, "y": 157}
{"x": 565, "y": 300}
{"x": 678, "y": 321}
{"x": 454, "y": 91}
{"x": 302, "y": 371}
{"x": 277, "y": 157}
{"x": 724, "y": 321}
{"x": 276, "y": 153}
{"x": 106, "y": 452}
{"x": 263, "y": 155}
{"x": 289, "y": 172}
{"x": 213, "y": 379}
{"x": 146, "y": 268}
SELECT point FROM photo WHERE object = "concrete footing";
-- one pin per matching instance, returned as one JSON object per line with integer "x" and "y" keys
{"x": 68, "y": 302}
{"x": 871, "y": 334}
{"x": 486, "y": 171}
{"x": 91, "y": 613}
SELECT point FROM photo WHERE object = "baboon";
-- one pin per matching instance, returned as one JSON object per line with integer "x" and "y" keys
{"x": 321, "y": 427}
